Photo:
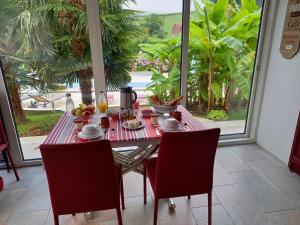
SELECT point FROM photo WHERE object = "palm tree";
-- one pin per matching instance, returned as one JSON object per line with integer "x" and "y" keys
{"x": 24, "y": 50}
{"x": 68, "y": 19}
{"x": 48, "y": 40}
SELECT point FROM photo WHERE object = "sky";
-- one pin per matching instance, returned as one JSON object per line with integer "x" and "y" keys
{"x": 159, "y": 6}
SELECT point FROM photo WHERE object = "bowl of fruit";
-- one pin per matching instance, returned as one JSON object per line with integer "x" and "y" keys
{"x": 165, "y": 106}
{"x": 83, "y": 110}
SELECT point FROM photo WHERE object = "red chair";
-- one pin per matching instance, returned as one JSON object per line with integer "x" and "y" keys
{"x": 4, "y": 149}
{"x": 184, "y": 166}
{"x": 83, "y": 178}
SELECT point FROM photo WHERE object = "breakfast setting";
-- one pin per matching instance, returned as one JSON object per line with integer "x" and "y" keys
{"x": 129, "y": 120}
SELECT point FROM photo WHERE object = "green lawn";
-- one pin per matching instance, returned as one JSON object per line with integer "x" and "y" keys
{"x": 173, "y": 18}
{"x": 38, "y": 123}
{"x": 237, "y": 115}
{"x": 170, "y": 19}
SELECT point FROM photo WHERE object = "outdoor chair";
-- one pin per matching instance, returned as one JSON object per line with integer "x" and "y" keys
{"x": 5, "y": 150}
{"x": 83, "y": 177}
{"x": 183, "y": 167}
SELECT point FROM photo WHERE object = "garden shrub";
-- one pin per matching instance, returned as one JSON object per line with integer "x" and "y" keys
{"x": 217, "y": 115}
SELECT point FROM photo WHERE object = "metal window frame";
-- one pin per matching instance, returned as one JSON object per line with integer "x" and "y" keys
{"x": 247, "y": 136}
{"x": 99, "y": 79}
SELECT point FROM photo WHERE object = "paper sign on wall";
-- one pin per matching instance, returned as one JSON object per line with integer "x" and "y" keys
{"x": 290, "y": 40}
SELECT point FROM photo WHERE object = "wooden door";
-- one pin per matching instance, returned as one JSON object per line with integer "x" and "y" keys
{"x": 294, "y": 163}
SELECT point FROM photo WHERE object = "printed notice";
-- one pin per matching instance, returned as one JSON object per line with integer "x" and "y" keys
{"x": 290, "y": 40}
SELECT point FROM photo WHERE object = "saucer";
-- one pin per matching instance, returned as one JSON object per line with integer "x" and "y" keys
{"x": 90, "y": 136}
{"x": 171, "y": 129}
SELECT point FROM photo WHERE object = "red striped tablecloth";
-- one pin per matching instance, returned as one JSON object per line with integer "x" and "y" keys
{"x": 64, "y": 132}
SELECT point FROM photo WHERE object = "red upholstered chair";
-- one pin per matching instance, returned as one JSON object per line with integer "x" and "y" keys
{"x": 83, "y": 178}
{"x": 4, "y": 149}
{"x": 184, "y": 166}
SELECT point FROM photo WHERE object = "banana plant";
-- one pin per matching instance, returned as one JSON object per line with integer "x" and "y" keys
{"x": 221, "y": 48}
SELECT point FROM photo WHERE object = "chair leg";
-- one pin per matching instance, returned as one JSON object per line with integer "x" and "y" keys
{"x": 189, "y": 197}
{"x": 119, "y": 216}
{"x": 13, "y": 165}
{"x": 122, "y": 192}
{"x": 73, "y": 214}
{"x": 5, "y": 160}
{"x": 56, "y": 220}
{"x": 209, "y": 208}
{"x": 145, "y": 185}
{"x": 155, "y": 211}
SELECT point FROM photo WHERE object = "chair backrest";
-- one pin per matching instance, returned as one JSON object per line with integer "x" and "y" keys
{"x": 185, "y": 163}
{"x": 81, "y": 177}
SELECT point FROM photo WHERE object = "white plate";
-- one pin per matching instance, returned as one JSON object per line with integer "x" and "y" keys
{"x": 179, "y": 127}
{"x": 125, "y": 125}
{"x": 94, "y": 136}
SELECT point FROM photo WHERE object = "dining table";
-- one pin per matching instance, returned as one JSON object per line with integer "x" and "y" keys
{"x": 130, "y": 147}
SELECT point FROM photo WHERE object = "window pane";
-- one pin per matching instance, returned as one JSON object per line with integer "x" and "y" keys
{"x": 222, "y": 50}
{"x": 45, "y": 53}
{"x": 142, "y": 47}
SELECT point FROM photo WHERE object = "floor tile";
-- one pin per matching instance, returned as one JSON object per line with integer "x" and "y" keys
{"x": 138, "y": 213}
{"x": 30, "y": 218}
{"x": 133, "y": 185}
{"x": 221, "y": 177}
{"x": 219, "y": 216}
{"x": 26, "y": 175}
{"x": 291, "y": 217}
{"x": 272, "y": 159}
{"x": 247, "y": 152}
{"x": 230, "y": 161}
{"x": 101, "y": 217}
{"x": 181, "y": 215}
{"x": 9, "y": 200}
{"x": 242, "y": 208}
{"x": 78, "y": 219}
{"x": 261, "y": 192}
{"x": 279, "y": 178}
{"x": 201, "y": 200}
{"x": 37, "y": 195}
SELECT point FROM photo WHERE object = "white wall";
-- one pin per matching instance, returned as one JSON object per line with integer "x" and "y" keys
{"x": 281, "y": 97}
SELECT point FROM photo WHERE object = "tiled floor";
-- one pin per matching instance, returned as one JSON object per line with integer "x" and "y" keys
{"x": 251, "y": 187}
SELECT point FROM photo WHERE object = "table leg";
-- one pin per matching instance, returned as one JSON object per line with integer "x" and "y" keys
{"x": 88, "y": 215}
{"x": 171, "y": 203}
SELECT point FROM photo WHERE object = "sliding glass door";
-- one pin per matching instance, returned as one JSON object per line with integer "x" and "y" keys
{"x": 45, "y": 54}
{"x": 142, "y": 47}
{"x": 203, "y": 50}
{"x": 223, "y": 42}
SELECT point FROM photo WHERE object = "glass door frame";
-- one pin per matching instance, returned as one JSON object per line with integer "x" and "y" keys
{"x": 99, "y": 78}
{"x": 248, "y": 135}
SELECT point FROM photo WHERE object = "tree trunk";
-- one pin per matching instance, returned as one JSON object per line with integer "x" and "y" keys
{"x": 85, "y": 84}
{"x": 14, "y": 91}
{"x": 210, "y": 101}
{"x": 18, "y": 111}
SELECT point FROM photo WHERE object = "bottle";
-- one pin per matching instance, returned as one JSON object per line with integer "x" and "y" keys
{"x": 102, "y": 102}
{"x": 69, "y": 104}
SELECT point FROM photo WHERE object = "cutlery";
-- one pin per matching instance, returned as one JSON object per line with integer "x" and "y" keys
{"x": 157, "y": 131}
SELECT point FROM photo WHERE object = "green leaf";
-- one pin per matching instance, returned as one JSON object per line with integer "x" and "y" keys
{"x": 219, "y": 11}
{"x": 217, "y": 90}
{"x": 250, "y": 5}
{"x": 230, "y": 42}
{"x": 198, "y": 8}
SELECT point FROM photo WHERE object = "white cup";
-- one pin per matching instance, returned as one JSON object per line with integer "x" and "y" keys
{"x": 154, "y": 119}
{"x": 171, "y": 123}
